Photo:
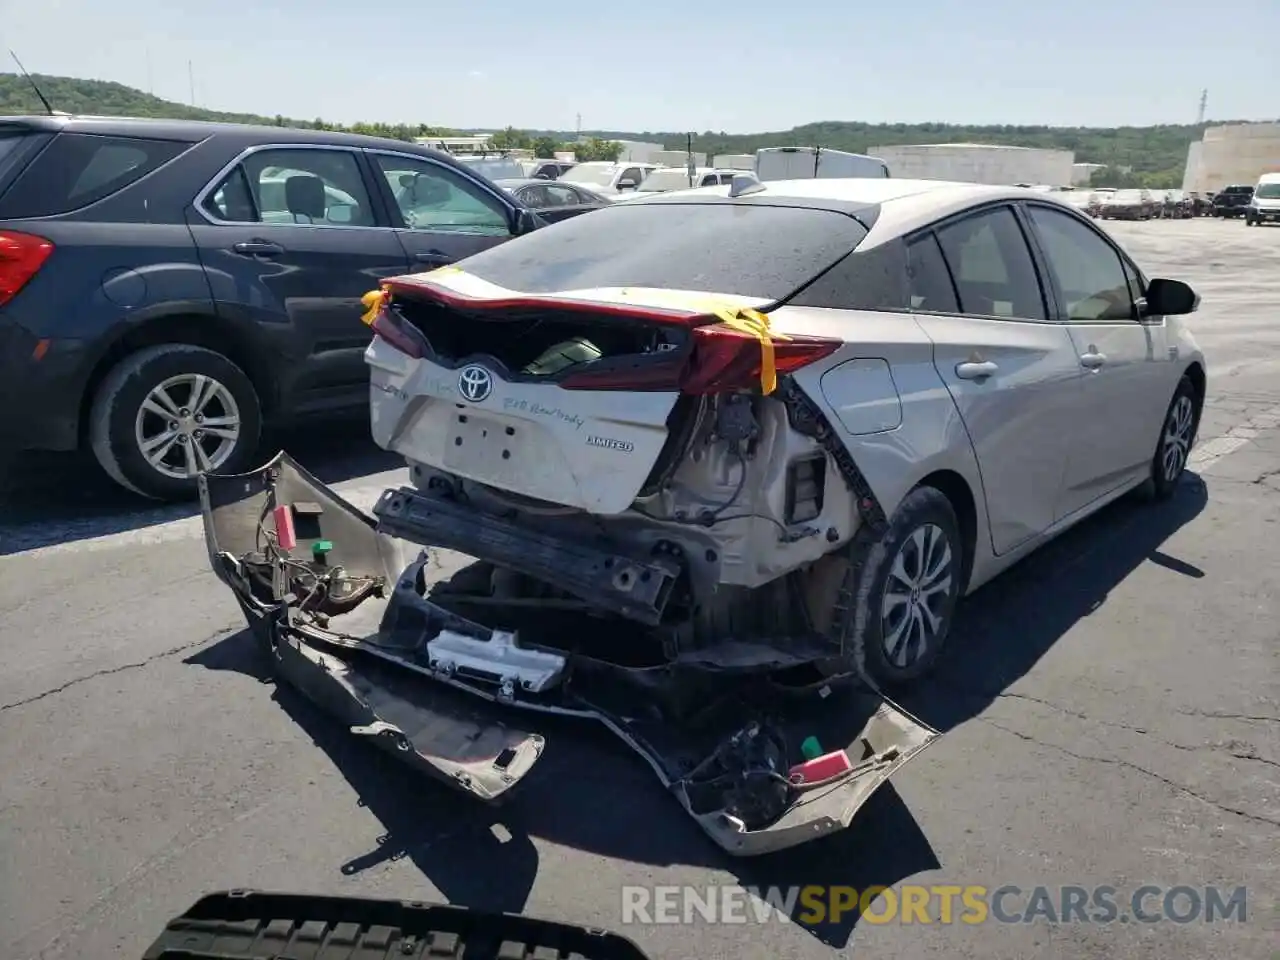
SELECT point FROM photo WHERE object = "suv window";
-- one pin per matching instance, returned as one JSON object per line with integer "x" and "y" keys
{"x": 1088, "y": 270}
{"x": 78, "y": 169}
{"x": 992, "y": 266}
{"x": 433, "y": 197}
{"x": 635, "y": 174}
{"x": 311, "y": 186}
{"x": 929, "y": 281}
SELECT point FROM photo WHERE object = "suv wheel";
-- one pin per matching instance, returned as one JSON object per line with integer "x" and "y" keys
{"x": 905, "y": 586}
{"x": 166, "y": 414}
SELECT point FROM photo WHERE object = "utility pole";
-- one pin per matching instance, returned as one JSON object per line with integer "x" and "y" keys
{"x": 578, "y": 130}
{"x": 191, "y": 82}
{"x": 151, "y": 87}
{"x": 1204, "y": 102}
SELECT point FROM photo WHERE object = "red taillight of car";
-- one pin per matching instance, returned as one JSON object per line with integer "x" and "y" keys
{"x": 722, "y": 359}
{"x": 21, "y": 257}
{"x": 386, "y": 327}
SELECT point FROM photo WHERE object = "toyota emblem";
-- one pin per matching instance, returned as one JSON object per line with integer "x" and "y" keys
{"x": 475, "y": 383}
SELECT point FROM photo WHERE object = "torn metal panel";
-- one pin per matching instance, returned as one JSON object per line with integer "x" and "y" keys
{"x": 400, "y": 664}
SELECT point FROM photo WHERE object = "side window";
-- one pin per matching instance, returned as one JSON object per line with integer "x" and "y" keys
{"x": 710, "y": 180}
{"x": 929, "y": 281}
{"x": 294, "y": 186}
{"x": 1137, "y": 287}
{"x": 1088, "y": 270}
{"x": 561, "y": 196}
{"x": 78, "y": 169}
{"x": 433, "y": 197}
{"x": 534, "y": 196}
{"x": 992, "y": 266}
{"x": 632, "y": 173}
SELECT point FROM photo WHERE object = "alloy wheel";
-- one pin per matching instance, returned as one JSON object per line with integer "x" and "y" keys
{"x": 1177, "y": 438}
{"x": 187, "y": 425}
{"x": 917, "y": 596}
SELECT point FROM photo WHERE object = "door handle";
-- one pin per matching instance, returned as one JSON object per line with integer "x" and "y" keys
{"x": 1092, "y": 360}
{"x": 433, "y": 256}
{"x": 975, "y": 369}
{"x": 258, "y": 248}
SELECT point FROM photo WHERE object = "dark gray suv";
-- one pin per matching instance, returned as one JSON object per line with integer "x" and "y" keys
{"x": 167, "y": 287}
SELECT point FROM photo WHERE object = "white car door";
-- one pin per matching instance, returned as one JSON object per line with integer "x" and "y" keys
{"x": 1012, "y": 372}
{"x": 1125, "y": 360}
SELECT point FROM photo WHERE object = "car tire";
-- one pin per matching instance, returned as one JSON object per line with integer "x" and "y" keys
{"x": 870, "y": 639}
{"x": 1173, "y": 447}
{"x": 226, "y": 427}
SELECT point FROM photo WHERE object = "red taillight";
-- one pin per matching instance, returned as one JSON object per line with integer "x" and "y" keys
{"x": 21, "y": 257}
{"x": 391, "y": 331}
{"x": 722, "y": 359}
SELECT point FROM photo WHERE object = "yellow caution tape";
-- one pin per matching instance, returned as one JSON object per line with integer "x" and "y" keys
{"x": 373, "y": 302}
{"x": 756, "y": 324}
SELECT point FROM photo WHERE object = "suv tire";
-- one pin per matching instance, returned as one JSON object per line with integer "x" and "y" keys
{"x": 226, "y": 426}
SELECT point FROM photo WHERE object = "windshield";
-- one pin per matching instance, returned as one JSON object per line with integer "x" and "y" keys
{"x": 1268, "y": 191}
{"x": 673, "y": 178}
{"x": 496, "y": 168}
{"x": 753, "y": 251}
{"x": 598, "y": 175}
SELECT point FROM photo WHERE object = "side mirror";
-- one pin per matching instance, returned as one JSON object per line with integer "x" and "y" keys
{"x": 1170, "y": 298}
{"x": 627, "y": 184}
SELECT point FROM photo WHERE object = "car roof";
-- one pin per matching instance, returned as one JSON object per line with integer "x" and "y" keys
{"x": 164, "y": 129}
{"x": 889, "y": 207}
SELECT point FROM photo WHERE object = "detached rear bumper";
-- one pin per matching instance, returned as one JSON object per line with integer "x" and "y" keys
{"x": 441, "y": 691}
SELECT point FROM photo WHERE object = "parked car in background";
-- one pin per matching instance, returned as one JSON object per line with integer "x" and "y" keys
{"x": 553, "y": 200}
{"x": 495, "y": 167}
{"x": 1173, "y": 205}
{"x": 1128, "y": 205}
{"x": 1264, "y": 205}
{"x": 167, "y": 287}
{"x": 1232, "y": 201}
{"x": 598, "y": 391}
{"x": 546, "y": 169}
{"x": 666, "y": 179}
{"x": 608, "y": 178}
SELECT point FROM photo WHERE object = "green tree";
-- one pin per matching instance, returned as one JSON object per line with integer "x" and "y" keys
{"x": 597, "y": 149}
{"x": 511, "y": 139}
{"x": 544, "y": 148}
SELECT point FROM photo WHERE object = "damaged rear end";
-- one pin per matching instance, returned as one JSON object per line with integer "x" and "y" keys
{"x": 645, "y": 491}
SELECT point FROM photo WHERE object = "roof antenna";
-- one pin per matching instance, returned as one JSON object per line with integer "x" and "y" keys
{"x": 32, "y": 80}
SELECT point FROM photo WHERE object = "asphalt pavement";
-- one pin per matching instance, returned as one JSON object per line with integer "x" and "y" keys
{"x": 1110, "y": 708}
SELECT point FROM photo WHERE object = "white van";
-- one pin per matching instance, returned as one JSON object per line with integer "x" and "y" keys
{"x": 1265, "y": 205}
{"x": 815, "y": 163}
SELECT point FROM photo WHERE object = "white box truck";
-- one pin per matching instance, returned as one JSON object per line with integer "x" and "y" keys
{"x": 815, "y": 163}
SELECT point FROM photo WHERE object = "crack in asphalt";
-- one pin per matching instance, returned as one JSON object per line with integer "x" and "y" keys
{"x": 1117, "y": 761}
{"x": 1219, "y": 715}
{"x": 1233, "y": 749}
{"x": 122, "y": 668}
{"x": 1239, "y": 751}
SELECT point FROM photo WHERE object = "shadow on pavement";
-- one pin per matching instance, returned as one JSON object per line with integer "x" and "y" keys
{"x": 1003, "y": 630}
{"x": 59, "y": 498}
{"x": 590, "y": 793}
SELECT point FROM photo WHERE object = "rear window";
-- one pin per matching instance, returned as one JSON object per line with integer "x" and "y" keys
{"x": 78, "y": 169}
{"x": 746, "y": 249}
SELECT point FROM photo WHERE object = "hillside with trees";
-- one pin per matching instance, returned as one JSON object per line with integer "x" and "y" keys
{"x": 1152, "y": 156}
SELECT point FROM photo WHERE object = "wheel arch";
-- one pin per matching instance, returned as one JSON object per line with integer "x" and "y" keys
{"x": 190, "y": 328}
{"x": 1195, "y": 373}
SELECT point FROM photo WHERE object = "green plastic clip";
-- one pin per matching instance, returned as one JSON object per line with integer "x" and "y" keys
{"x": 321, "y": 548}
{"x": 810, "y": 748}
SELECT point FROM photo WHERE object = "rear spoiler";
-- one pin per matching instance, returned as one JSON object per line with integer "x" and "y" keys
{"x": 252, "y": 925}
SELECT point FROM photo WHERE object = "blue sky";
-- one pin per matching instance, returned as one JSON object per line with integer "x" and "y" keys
{"x": 745, "y": 66}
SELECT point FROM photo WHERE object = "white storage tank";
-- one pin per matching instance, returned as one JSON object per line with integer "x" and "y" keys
{"x": 1238, "y": 153}
{"x": 977, "y": 163}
